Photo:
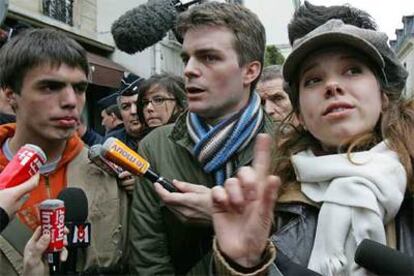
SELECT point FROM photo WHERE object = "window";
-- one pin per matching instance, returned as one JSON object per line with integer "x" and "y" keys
{"x": 61, "y": 10}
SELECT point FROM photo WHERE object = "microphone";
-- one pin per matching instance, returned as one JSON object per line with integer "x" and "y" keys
{"x": 119, "y": 153}
{"x": 147, "y": 24}
{"x": 52, "y": 217}
{"x": 76, "y": 204}
{"x": 25, "y": 163}
{"x": 144, "y": 25}
{"x": 383, "y": 260}
{"x": 94, "y": 155}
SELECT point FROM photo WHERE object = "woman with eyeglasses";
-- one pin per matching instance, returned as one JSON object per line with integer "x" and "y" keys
{"x": 161, "y": 99}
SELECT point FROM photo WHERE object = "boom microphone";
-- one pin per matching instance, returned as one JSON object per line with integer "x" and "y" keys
{"x": 144, "y": 25}
{"x": 119, "y": 153}
{"x": 383, "y": 260}
{"x": 76, "y": 204}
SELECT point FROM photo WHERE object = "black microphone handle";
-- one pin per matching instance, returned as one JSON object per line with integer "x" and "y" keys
{"x": 153, "y": 177}
{"x": 69, "y": 267}
{"x": 383, "y": 260}
{"x": 53, "y": 260}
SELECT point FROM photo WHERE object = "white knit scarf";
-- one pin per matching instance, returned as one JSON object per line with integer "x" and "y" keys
{"x": 357, "y": 198}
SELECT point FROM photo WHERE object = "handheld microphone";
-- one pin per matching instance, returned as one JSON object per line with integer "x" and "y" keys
{"x": 119, "y": 153}
{"x": 25, "y": 164}
{"x": 95, "y": 155}
{"x": 383, "y": 260}
{"x": 52, "y": 218}
{"x": 79, "y": 236}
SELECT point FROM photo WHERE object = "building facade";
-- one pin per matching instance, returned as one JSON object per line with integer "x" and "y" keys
{"x": 403, "y": 45}
{"x": 89, "y": 22}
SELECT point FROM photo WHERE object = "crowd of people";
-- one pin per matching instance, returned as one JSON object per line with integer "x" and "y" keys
{"x": 282, "y": 170}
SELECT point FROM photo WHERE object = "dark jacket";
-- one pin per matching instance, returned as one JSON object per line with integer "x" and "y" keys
{"x": 4, "y": 219}
{"x": 122, "y": 135}
{"x": 299, "y": 221}
{"x": 6, "y": 118}
{"x": 160, "y": 243}
{"x": 91, "y": 137}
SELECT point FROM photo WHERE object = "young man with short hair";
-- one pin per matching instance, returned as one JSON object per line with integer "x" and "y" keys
{"x": 44, "y": 75}
{"x": 223, "y": 50}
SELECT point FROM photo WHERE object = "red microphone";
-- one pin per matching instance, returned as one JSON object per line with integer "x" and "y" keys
{"x": 52, "y": 217}
{"x": 25, "y": 164}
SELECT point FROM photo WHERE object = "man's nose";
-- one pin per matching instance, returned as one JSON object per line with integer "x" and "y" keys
{"x": 192, "y": 69}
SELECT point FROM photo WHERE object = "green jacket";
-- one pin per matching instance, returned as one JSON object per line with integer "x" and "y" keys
{"x": 159, "y": 242}
{"x": 108, "y": 208}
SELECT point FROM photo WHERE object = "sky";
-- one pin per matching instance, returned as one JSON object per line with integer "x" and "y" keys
{"x": 387, "y": 13}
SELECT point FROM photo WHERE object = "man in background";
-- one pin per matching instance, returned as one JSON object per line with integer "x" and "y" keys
{"x": 132, "y": 132}
{"x": 274, "y": 99}
{"x": 111, "y": 118}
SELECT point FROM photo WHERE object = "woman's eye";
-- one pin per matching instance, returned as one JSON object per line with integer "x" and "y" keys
{"x": 311, "y": 81}
{"x": 353, "y": 71}
{"x": 158, "y": 100}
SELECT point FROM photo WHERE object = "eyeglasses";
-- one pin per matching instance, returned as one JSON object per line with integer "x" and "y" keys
{"x": 157, "y": 101}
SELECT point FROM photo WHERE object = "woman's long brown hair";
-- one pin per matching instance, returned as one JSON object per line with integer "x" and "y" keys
{"x": 396, "y": 126}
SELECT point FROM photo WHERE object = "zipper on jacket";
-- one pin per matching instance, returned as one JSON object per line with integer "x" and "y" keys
{"x": 47, "y": 184}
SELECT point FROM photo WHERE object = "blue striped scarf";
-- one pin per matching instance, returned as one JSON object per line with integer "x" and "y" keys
{"x": 215, "y": 145}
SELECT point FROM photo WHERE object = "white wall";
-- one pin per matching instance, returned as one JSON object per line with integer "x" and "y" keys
{"x": 107, "y": 12}
{"x": 275, "y": 15}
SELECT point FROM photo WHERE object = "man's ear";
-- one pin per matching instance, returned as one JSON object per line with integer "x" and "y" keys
{"x": 113, "y": 117}
{"x": 11, "y": 97}
{"x": 251, "y": 72}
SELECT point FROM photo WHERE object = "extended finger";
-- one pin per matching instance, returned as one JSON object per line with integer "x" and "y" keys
{"x": 261, "y": 159}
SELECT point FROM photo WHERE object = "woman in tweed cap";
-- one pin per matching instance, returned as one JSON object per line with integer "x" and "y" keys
{"x": 346, "y": 172}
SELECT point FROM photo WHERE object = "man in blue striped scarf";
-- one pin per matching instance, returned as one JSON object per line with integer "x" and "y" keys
{"x": 223, "y": 49}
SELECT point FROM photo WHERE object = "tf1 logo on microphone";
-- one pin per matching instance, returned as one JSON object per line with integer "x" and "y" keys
{"x": 79, "y": 235}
